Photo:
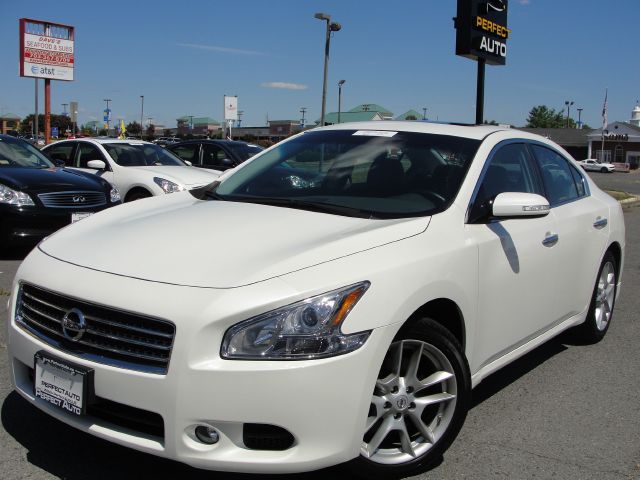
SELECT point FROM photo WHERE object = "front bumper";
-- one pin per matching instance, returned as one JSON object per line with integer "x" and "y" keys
{"x": 29, "y": 225}
{"x": 322, "y": 403}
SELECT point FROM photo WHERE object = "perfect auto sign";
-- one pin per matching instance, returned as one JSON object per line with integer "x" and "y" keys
{"x": 481, "y": 30}
{"x": 44, "y": 56}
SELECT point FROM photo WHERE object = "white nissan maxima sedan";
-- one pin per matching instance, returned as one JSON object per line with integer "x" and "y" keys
{"x": 333, "y": 300}
{"x": 136, "y": 168}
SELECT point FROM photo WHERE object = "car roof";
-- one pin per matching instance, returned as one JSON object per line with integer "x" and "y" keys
{"x": 214, "y": 140}
{"x": 102, "y": 141}
{"x": 477, "y": 132}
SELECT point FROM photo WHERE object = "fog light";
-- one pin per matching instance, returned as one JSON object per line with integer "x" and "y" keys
{"x": 207, "y": 435}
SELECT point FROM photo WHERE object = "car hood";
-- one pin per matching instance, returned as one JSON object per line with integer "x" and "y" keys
{"x": 187, "y": 176}
{"x": 178, "y": 239}
{"x": 47, "y": 179}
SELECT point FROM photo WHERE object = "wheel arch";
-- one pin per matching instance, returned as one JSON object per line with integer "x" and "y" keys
{"x": 446, "y": 313}
{"x": 616, "y": 251}
{"x": 137, "y": 189}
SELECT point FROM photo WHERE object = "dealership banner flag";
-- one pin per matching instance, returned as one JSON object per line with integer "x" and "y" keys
{"x": 604, "y": 111}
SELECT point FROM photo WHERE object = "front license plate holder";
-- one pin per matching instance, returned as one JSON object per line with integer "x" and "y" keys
{"x": 64, "y": 385}
{"x": 77, "y": 216}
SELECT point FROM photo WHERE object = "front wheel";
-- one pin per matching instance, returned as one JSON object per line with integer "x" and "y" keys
{"x": 603, "y": 170}
{"x": 418, "y": 405}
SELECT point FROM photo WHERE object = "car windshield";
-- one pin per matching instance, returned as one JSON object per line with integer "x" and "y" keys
{"x": 141, "y": 155}
{"x": 18, "y": 153}
{"x": 245, "y": 151}
{"x": 363, "y": 173}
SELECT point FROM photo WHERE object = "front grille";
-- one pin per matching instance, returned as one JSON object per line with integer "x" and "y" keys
{"x": 111, "y": 336}
{"x": 73, "y": 199}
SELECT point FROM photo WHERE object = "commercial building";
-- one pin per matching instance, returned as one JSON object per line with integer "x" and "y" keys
{"x": 9, "y": 123}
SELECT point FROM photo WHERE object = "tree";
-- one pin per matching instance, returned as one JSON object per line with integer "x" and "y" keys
{"x": 545, "y": 117}
{"x": 61, "y": 121}
{"x": 151, "y": 131}
{"x": 411, "y": 117}
{"x": 133, "y": 128}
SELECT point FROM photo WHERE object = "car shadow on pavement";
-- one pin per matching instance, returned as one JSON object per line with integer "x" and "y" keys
{"x": 510, "y": 373}
{"x": 14, "y": 253}
{"x": 67, "y": 453}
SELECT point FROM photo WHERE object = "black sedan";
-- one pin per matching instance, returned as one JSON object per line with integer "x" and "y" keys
{"x": 37, "y": 198}
{"x": 214, "y": 154}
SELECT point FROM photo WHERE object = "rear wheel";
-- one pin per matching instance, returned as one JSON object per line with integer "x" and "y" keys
{"x": 603, "y": 299}
{"x": 419, "y": 403}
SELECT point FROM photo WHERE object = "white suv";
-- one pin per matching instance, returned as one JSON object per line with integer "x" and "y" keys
{"x": 333, "y": 299}
{"x": 136, "y": 168}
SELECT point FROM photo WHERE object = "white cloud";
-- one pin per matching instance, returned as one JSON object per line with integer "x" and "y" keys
{"x": 284, "y": 85}
{"x": 525, "y": 2}
{"x": 215, "y": 48}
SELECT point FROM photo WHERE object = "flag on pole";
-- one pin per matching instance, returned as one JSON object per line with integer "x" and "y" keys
{"x": 123, "y": 130}
{"x": 604, "y": 111}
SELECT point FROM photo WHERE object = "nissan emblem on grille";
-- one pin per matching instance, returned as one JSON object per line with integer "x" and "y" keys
{"x": 74, "y": 325}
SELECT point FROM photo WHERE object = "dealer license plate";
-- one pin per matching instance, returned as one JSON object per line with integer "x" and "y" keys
{"x": 62, "y": 384}
{"x": 79, "y": 216}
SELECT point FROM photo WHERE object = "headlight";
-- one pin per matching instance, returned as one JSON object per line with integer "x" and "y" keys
{"x": 13, "y": 197}
{"x": 304, "y": 330}
{"x": 168, "y": 186}
{"x": 115, "y": 195}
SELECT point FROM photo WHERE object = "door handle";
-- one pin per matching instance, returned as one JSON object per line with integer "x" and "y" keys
{"x": 550, "y": 240}
{"x": 600, "y": 223}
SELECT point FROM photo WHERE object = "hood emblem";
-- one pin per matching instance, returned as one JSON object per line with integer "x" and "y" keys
{"x": 74, "y": 325}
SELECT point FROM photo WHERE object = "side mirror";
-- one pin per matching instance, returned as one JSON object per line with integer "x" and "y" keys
{"x": 226, "y": 162}
{"x": 188, "y": 163}
{"x": 97, "y": 164}
{"x": 516, "y": 205}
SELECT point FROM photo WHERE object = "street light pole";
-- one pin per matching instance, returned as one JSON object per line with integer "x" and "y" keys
{"x": 424, "y": 113}
{"x": 568, "y": 104}
{"x": 340, "y": 83}
{"x": 141, "y": 116}
{"x": 331, "y": 27}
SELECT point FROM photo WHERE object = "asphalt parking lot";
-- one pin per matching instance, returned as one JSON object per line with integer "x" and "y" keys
{"x": 565, "y": 410}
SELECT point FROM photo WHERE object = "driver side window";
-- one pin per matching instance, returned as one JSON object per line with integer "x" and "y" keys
{"x": 510, "y": 170}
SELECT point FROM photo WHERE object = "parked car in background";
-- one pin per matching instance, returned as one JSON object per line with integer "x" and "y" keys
{"x": 37, "y": 198}
{"x": 593, "y": 165}
{"x": 164, "y": 141}
{"x": 215, "y": 154}
{"x": 138, "y": 169}
{"x": 335, "y": 299}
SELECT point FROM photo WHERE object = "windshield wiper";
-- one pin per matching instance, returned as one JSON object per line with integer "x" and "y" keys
{"x": 308, "y": 205}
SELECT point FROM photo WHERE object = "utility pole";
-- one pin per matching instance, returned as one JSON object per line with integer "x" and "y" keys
{"x": 302, "y": 111}
{"x": 239, "y": 122}
{"x": 424, "y": 113}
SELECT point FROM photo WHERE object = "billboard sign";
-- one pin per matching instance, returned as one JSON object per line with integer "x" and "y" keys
{"x": 230, "y": 108}
{"x": 481, "y": 30}
{"x": 46, "y": 50}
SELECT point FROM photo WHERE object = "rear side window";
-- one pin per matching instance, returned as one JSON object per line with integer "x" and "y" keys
{"x": 559, "y": 176}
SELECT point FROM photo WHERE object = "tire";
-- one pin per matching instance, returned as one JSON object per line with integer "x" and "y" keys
{"x": 603, "y": 170}
{"x": 603, "y": 299}
{"x": 418, "y": 406}
{"x": 137, "y": 195}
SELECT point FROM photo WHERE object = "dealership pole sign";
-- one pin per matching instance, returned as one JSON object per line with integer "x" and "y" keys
{"x": 481, "y": 30}
{"x": 481, "y": 35}
{"x": 46, "y": 50}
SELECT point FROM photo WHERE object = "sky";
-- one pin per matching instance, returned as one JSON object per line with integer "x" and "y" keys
{"x": 184, "y": 56}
